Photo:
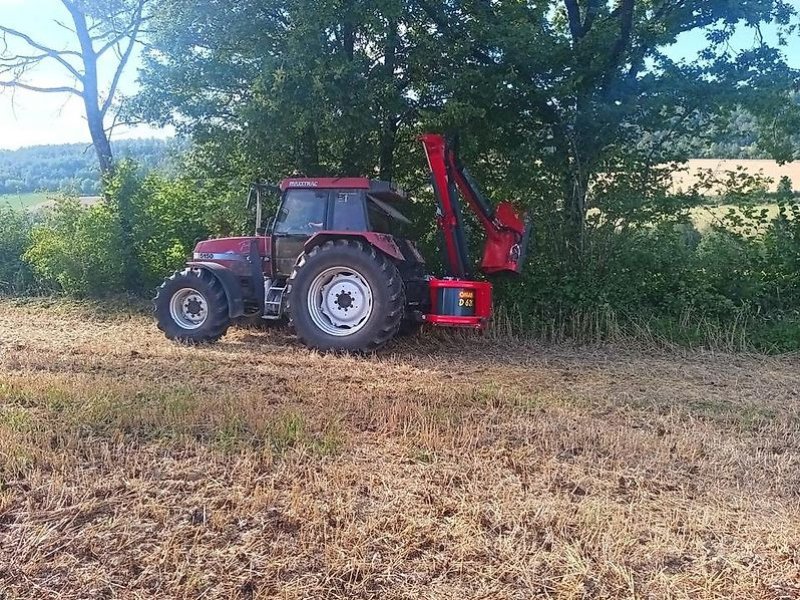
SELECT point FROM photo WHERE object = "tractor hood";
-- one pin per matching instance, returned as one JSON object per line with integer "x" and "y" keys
{"x": 234, "y": 248}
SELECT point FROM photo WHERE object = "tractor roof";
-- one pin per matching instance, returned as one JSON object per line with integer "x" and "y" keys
{"x": 383, "y": 190}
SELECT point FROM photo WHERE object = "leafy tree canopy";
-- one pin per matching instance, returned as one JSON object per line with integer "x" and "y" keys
{"x": 551, "y": 97}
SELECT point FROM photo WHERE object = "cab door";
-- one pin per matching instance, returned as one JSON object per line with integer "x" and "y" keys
{"x": 302, "y": 213}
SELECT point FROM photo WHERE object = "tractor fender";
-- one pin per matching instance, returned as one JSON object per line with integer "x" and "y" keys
{"x": 381, "y": 241}
{"x": 229, "y": 282}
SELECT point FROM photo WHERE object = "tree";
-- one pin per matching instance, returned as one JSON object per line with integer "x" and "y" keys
{"x": 291, "y": 85}
{"x": 567, "y": 105}
{"x": 577, "y": 85}
{"x": 101, "y": 29}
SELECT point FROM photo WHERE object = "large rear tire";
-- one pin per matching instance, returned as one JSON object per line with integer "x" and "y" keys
{"x": 191, "y": 307}
{"x": 345, "y": 295}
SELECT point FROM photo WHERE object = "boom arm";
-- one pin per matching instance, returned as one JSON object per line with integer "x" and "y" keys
{"x": 507, "y": 232}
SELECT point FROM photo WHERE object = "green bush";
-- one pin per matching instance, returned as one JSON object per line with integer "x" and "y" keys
{"x": 785, "y": 189}
{"x": 171, "y": 216}
{"x": 78, "y": 250}
{"x": 781, "y": 265}
{"x": 669, "y": 280}
{"x": 15, "y": 232}
{"x": 144, "y": 229}
{"x": 622, "y": 271}
{"x": 732, "y": 267}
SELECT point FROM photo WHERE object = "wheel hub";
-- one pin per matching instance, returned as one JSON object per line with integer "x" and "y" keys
{"x": 340, "y": 301}
{"x": 344, "y": 300}
{"x": 193, "y": 306}
{"x": 188, "y": 308}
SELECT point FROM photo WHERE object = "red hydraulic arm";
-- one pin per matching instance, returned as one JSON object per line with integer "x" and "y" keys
{"x": 507, "y": 232}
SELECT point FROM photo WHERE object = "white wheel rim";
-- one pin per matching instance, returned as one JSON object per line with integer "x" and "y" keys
{"x": 340, "y": 301}
{"x": 188, "y": 308}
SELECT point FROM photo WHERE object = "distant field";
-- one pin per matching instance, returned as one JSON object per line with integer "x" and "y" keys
{"x": 38, "y": 200}
{"x": 20, "y": 201}
{"x": 683, "y": 180}
{"x": 706, "y": 216}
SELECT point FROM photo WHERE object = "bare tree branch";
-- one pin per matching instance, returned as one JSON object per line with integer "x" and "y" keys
{"x": 63, "y": 25}
{"x": 131, "y": 29}
{"x": 123, "y": 60}
{"x": 57, "y": 55}
{"x": 110, "y": 43}
{"x": 64, "y": 89}
{"x": 116, "y": 30}
{"x": 22, "y": 59}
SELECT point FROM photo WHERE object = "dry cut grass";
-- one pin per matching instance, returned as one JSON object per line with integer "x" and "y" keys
{"x": 131, "y": 467}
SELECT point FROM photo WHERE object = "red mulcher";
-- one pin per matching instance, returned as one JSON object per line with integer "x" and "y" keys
{"x": 334, "y": 262}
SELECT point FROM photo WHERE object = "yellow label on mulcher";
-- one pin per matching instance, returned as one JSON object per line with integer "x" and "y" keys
{"x": 457, "y": 302}
{"x": 466, "y": 298}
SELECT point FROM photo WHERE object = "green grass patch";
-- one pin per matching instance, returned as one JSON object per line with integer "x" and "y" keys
{"x": 26, "y": 200}
{"x": 38, "y": 416}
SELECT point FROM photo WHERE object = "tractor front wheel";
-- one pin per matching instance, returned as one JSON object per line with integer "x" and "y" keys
{"x": 191, "y": 307}
{"x": 345, "y": 295}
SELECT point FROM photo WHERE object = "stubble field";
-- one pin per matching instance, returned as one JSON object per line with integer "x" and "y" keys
{"x": 131, "y": 467}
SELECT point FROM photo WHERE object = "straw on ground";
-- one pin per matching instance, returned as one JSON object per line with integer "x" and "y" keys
{"x": 132, "y": 467}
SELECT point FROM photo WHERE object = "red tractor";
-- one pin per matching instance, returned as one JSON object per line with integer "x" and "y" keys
{"x": 333, "y": 262}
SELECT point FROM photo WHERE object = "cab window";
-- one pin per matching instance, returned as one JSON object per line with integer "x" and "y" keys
{"x": 302, "y": 212}
{"x": 348, "y": 211}
{"x": 379, "y": 220}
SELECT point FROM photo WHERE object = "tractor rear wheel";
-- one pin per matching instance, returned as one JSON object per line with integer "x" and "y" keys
{"x": 191, "y": 307}
{"x": 345, "y": 295}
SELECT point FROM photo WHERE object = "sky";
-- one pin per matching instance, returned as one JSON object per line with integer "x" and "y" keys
{"x": 30, "y": 118}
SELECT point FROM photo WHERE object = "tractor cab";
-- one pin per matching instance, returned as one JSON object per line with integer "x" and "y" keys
{"x": 340, "y": 204}
{"x": 331, "y": 207}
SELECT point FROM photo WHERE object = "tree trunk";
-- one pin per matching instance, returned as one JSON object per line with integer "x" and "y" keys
{"x": 390, "y": 125}
{"x": 95, "y": 117}
{"x": 308, "y": 160}
{"x": 576, "y": 191}
{"x": 91, "y": 98}
{"x": 100, "y": 141}
{"x": 582, "y": 151}
{"x": 388, "y": 142}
